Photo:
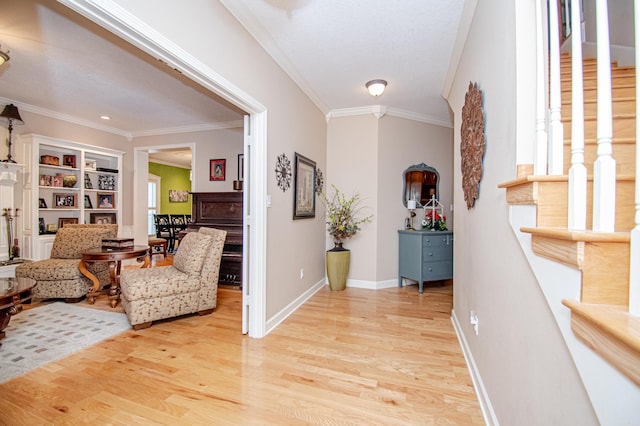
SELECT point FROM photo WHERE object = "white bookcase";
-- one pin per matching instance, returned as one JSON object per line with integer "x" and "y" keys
{"x": 64, "y": 182}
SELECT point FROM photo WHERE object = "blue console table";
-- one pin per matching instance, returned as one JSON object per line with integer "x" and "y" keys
{"x": 425, "y": 256}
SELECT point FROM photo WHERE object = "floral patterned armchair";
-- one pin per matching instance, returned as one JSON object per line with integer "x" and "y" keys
{"x": 59, "y": 277}
{"x": 189, "y": 285}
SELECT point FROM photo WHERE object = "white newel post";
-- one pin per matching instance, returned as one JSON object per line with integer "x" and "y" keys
{"x": 577, "y": 172}
{"x": 604, "y": 169}
{"x": 634, "y": 275}
{"x": 540, "y": 155}
{"x": 556, "y": 131}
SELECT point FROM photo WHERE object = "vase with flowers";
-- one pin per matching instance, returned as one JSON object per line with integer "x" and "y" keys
{"x": 344, "y": 218}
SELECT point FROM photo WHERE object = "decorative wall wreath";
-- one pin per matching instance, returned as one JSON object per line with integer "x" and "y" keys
{"x": 472, "y": 144}
{"x": 319, "y": 181}
{"x": 283, "y": 172}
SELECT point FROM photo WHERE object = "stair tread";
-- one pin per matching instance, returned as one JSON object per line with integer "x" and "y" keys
{"x": 579, "y": 236}
{"x": 613, "y": 319}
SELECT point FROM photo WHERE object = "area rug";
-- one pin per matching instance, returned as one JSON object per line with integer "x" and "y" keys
{"x": 47, "y": 333}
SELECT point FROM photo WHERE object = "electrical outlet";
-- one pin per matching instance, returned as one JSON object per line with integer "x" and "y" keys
{"x": 473, "y": 319}
{"x": 301, "y": 273}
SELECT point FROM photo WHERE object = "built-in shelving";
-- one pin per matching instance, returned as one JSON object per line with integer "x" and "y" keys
{"x": 65, "y": 182}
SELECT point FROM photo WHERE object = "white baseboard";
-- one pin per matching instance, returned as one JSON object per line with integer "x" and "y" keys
{"x": 483, "y": 398}
{"x": 275, "y": 320}
{"x": 372, "y": 285}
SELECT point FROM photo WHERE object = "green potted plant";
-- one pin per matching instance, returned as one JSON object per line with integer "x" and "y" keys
{"x": 343, "y": 222}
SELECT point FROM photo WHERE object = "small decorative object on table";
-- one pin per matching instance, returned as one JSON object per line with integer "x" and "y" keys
{"x": 117, "y": 244}
{"x": 434, "y": 218}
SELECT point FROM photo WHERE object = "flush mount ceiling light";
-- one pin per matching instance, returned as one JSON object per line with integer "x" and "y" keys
{"x": 4, "y": 56}
{"x": 376, "y": 87}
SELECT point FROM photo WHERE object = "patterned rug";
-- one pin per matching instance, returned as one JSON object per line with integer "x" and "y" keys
{"x": 40, "y": 335}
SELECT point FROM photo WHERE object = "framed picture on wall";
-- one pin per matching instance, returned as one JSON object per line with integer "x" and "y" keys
{"x": 178, "y": 196}
{"x": 217, "y": 169}
{"x": 304, "y": 190}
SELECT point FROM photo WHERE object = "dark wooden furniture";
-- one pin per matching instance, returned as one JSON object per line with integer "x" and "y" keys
{"x": 222, "y": 210}
{"x": 13, "y": 291}
{"x": 115, "y": 258}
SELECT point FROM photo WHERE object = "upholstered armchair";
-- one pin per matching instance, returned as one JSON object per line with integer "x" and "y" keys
{"x": 59, "y": 277}
{"x": 189, "y": 285}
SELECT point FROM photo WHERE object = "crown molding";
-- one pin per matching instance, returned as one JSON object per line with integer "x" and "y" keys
{"x": 380, "y": 110}
{"x": 190, "y": 129}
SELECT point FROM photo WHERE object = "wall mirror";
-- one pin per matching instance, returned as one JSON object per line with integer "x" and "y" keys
{"x": 420, "y": 182}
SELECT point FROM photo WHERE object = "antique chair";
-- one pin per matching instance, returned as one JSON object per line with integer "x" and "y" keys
{"x": 59, "y": 277}
{"x": 189, "y": 285}
{"x": 164, "y": 230}
{"x": 178, "y": 224}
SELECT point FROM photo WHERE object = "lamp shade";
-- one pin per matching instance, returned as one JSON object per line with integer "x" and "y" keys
{"x": 11, "y": 114}
{"x": 4, "y": 57}
{"x": 376, "y": 87}
{"x": 411, "y": 204}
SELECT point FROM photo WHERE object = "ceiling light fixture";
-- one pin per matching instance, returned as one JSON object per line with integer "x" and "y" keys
{"x": 105, "y": 117}
{"x": 376, "y": 87}
{"x": 4, "y": 56}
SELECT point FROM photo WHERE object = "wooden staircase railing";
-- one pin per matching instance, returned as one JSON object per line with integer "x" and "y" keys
{"x": 605, "y": 318}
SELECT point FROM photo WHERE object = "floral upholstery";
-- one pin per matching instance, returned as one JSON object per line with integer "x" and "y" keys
{"x": 189, "y": 285}
{"x": 59, "y": 277}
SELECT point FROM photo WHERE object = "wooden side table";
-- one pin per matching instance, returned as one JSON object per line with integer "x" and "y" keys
{"x": 115, "y": 258}
{"x": 13, "y": 291}
{"x": 425, "y": 256}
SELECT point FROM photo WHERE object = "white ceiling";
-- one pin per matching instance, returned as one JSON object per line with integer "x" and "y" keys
{"x": 64, "y": 66}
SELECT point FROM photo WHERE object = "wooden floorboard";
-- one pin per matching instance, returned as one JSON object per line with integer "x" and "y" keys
{"x": 362, "y": 357}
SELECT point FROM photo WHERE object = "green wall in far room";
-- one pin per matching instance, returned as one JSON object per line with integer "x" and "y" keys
{"x": 172, "y": 178}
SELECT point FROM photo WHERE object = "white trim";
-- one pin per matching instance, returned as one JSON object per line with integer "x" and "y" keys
{"x": 285, "y": 313}
{"x": 379, "y": 110}
{"x": 189, "y": 129}
{"x": 481, "y": 392}
{"x": 120, "y": 22}
{"x": 370, "y": 285}
{"x": 466, "y": 19}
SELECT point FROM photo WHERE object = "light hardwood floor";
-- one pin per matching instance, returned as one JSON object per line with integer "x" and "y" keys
{"x": 387, "y": 357}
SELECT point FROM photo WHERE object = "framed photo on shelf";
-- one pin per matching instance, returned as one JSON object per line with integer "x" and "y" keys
{"x": 90, "y": 164}
{"x": 106, "y": 200}
{"x": 87, "y": 202}
{"x": 65, "y": 201}
{"x": 65, "y": 220}
{"x": 217, "y": 169}
{"x": 102, "y": 218}
{"x": 42, "y": 228}
{"x": 42, "y": 203}
{"x": 69, "y": 161}
{"x": 304, "y": 190}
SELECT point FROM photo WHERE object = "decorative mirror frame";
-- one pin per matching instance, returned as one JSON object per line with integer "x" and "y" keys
{"x": 418, "y": 168}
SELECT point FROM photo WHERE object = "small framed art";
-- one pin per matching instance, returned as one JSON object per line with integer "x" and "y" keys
{"x": 65, "y": 201}
{"x": 106, "y": 200}
{"x": 87, "y": 202}
{"x": 217, "y": 169}
{"x": 102, "y": 218}
{"x": 69, "y": 161}
{"x": 304, "y": 191}
{"x": 66, "y": 220}
{"x": 42, "y": 203}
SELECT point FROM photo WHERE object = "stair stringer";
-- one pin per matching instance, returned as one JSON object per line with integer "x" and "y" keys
{"x": 558, "y": 282}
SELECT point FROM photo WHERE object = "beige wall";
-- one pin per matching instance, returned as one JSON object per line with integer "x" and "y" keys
{"x": 207, "y": 31}
{"x": 520, "y": 354}
{"x": 368, "y": 156}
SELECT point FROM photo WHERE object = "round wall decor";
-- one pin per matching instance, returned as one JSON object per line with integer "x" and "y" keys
{"x": 283, "y": 172}
{"x": 472, "y": 144}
